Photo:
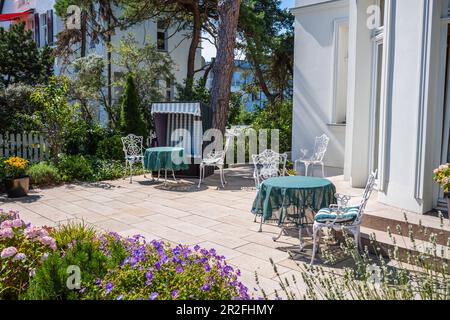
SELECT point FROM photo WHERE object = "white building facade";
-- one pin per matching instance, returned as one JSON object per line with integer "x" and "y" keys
{"x": 374, "y": 76}
{"x": 46, "y": 25}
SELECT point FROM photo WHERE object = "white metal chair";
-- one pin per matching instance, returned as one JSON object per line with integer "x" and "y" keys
{"x": 342, "y": 216}
{"x": 133, "y": 149}
{"x": 320, "y": 149}
{"x": 216, "y": 159}
{"x": 267, "y": 165}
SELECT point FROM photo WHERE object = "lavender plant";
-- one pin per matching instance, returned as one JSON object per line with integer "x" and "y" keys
{"x": 411, "y": 274}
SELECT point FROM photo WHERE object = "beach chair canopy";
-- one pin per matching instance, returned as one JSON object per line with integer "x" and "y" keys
{"x": 194, "y": 117}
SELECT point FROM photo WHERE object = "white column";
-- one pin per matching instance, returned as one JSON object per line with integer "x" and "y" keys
{"x": 359, "y": 92}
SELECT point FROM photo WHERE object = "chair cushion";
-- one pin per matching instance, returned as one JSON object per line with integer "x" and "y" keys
{"x": 134, "y": 158}
{"x": 329, "y": 215}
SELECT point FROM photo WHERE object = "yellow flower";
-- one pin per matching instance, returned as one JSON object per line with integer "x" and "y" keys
{"x": 16, "y": 162}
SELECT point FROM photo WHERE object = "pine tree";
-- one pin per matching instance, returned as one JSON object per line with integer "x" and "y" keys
{"x": 131, "y": 117}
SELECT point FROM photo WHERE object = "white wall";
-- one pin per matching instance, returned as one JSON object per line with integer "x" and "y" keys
{"x": 313, "y": 80}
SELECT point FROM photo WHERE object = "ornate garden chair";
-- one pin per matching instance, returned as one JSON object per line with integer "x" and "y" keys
{"x": 342, "y": 216}
{"x": 216, "y": 159}
{"x": 320, "y": 149}
{"x": 133, "y": 149}
{"x": 267, "y": 165}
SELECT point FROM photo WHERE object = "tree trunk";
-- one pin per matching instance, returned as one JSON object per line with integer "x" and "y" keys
{"x": 83, "y": 32}
{"x": 196, "y": 34}
{"x": 224, "y": 65}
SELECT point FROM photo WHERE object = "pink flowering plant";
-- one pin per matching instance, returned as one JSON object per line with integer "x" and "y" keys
{"x": 157, "y": 271}
{"x": 442, "y": 176}
{"x": 22, "y": 249}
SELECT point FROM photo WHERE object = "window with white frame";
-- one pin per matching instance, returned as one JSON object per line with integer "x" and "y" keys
{"x": 340, "y": 79}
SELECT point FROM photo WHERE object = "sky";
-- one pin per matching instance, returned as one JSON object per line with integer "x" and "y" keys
{"x": 209, "y": 51}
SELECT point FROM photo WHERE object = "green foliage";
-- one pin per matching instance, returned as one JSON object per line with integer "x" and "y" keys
{"x": 20, "y": 60}
{"x": 43, "y": 174}
{"x": 151, "y": 70}
{"x": 50, "y": 281}
{"x": 14, "y": 103}
{"x": 85, "y": 137}
{"x": 267, "y": 34}
{"x": 75, "y": 168}
{"x": 108, "y": 169}
{"x": 131, "y": 118}
{"x": 276, "y": 116}
{"x": 110, "y": 148}
{"x": 55, "y": 117}
{"x": 73, "y": 231}
{"x": 22, "y": 249}
{"x": 198, "y": 93}
{"x": 88, "y": 84}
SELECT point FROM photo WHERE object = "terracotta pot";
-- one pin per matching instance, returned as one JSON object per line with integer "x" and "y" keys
{"x": 16, "y": 188}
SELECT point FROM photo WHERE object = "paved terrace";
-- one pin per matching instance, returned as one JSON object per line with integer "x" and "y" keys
{"x": 179, "y": 213}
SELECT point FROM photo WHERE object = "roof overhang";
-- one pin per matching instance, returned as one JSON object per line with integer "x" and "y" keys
{"x": 13, "y": 16}
{"x": 192, "y": 108}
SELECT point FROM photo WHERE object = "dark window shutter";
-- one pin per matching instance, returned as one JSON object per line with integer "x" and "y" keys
{"x": 50, "y": 27}
{"x": 37, "y": 29}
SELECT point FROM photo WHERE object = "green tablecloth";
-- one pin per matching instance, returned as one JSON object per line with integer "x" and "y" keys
{"x": 299, "y": 192}
{"x": 165, "y": 158}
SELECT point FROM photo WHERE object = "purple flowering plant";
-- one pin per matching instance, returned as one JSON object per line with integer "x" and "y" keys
{"x": 22, "y": 249}
{"x": 158, "y": 271}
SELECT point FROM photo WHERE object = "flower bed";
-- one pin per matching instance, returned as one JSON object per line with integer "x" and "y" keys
{"x": 35, "y": 263}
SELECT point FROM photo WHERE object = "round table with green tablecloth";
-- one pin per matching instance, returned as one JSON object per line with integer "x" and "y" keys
{"x": 165, "y": 158}
{"x": 293, "y": 191}
{"x": 276, "y": 195}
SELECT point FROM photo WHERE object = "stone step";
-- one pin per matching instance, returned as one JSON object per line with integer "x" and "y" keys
{"x": 385, "y": 243}
{"x": 422, "y": 227}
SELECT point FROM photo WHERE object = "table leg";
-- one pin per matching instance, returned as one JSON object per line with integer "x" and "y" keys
{"x": 165, "y": 176}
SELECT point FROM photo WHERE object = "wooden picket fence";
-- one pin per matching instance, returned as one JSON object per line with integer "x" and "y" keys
{"x": 32, "y": 147}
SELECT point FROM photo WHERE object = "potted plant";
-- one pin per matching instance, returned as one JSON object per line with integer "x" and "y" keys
{"x": 17, "y": 183}
{"x": 442, "y": 176}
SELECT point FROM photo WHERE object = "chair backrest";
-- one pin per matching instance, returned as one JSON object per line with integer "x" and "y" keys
{"x": 320, "y": 147}
{"x": 367, "y": 193}
{"x": 267, "y": 165}
{"x": 132, "y": 145}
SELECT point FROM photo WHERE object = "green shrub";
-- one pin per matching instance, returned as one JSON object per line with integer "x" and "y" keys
{"x": 22, "y": 250}
{"x": 44, "y": 174}
{"x": 131, "y": 117}
{"x": 52, "y": 277}
{"x": 94, "y": 257}
{"x": 73, "y": 231}
{"x": 110, "y": 148}
{"x": 75, "y": 168}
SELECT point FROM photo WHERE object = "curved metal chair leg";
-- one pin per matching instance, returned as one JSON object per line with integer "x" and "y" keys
{"x": 125, "y": 173}
{"x": 143, "y": 168}
{"x": 316, "y": 243}
{"x": 275, "y": 239}
{"x": 221, "y": 177}
{"x": 131, "y": 172}
{"x": 200, "y": 178}
{"x": 306, "y": 169}
{"x": 173, "y": 175}
{"x": 261, "y": 223}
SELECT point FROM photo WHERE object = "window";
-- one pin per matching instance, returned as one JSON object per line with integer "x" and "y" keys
{"x": 44, "y": 30}
{"x": 168, "y": 89}
{"x": 161, "y": 35}
{"x": 21, "y": 3}
{"x": 341, "y": 36}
